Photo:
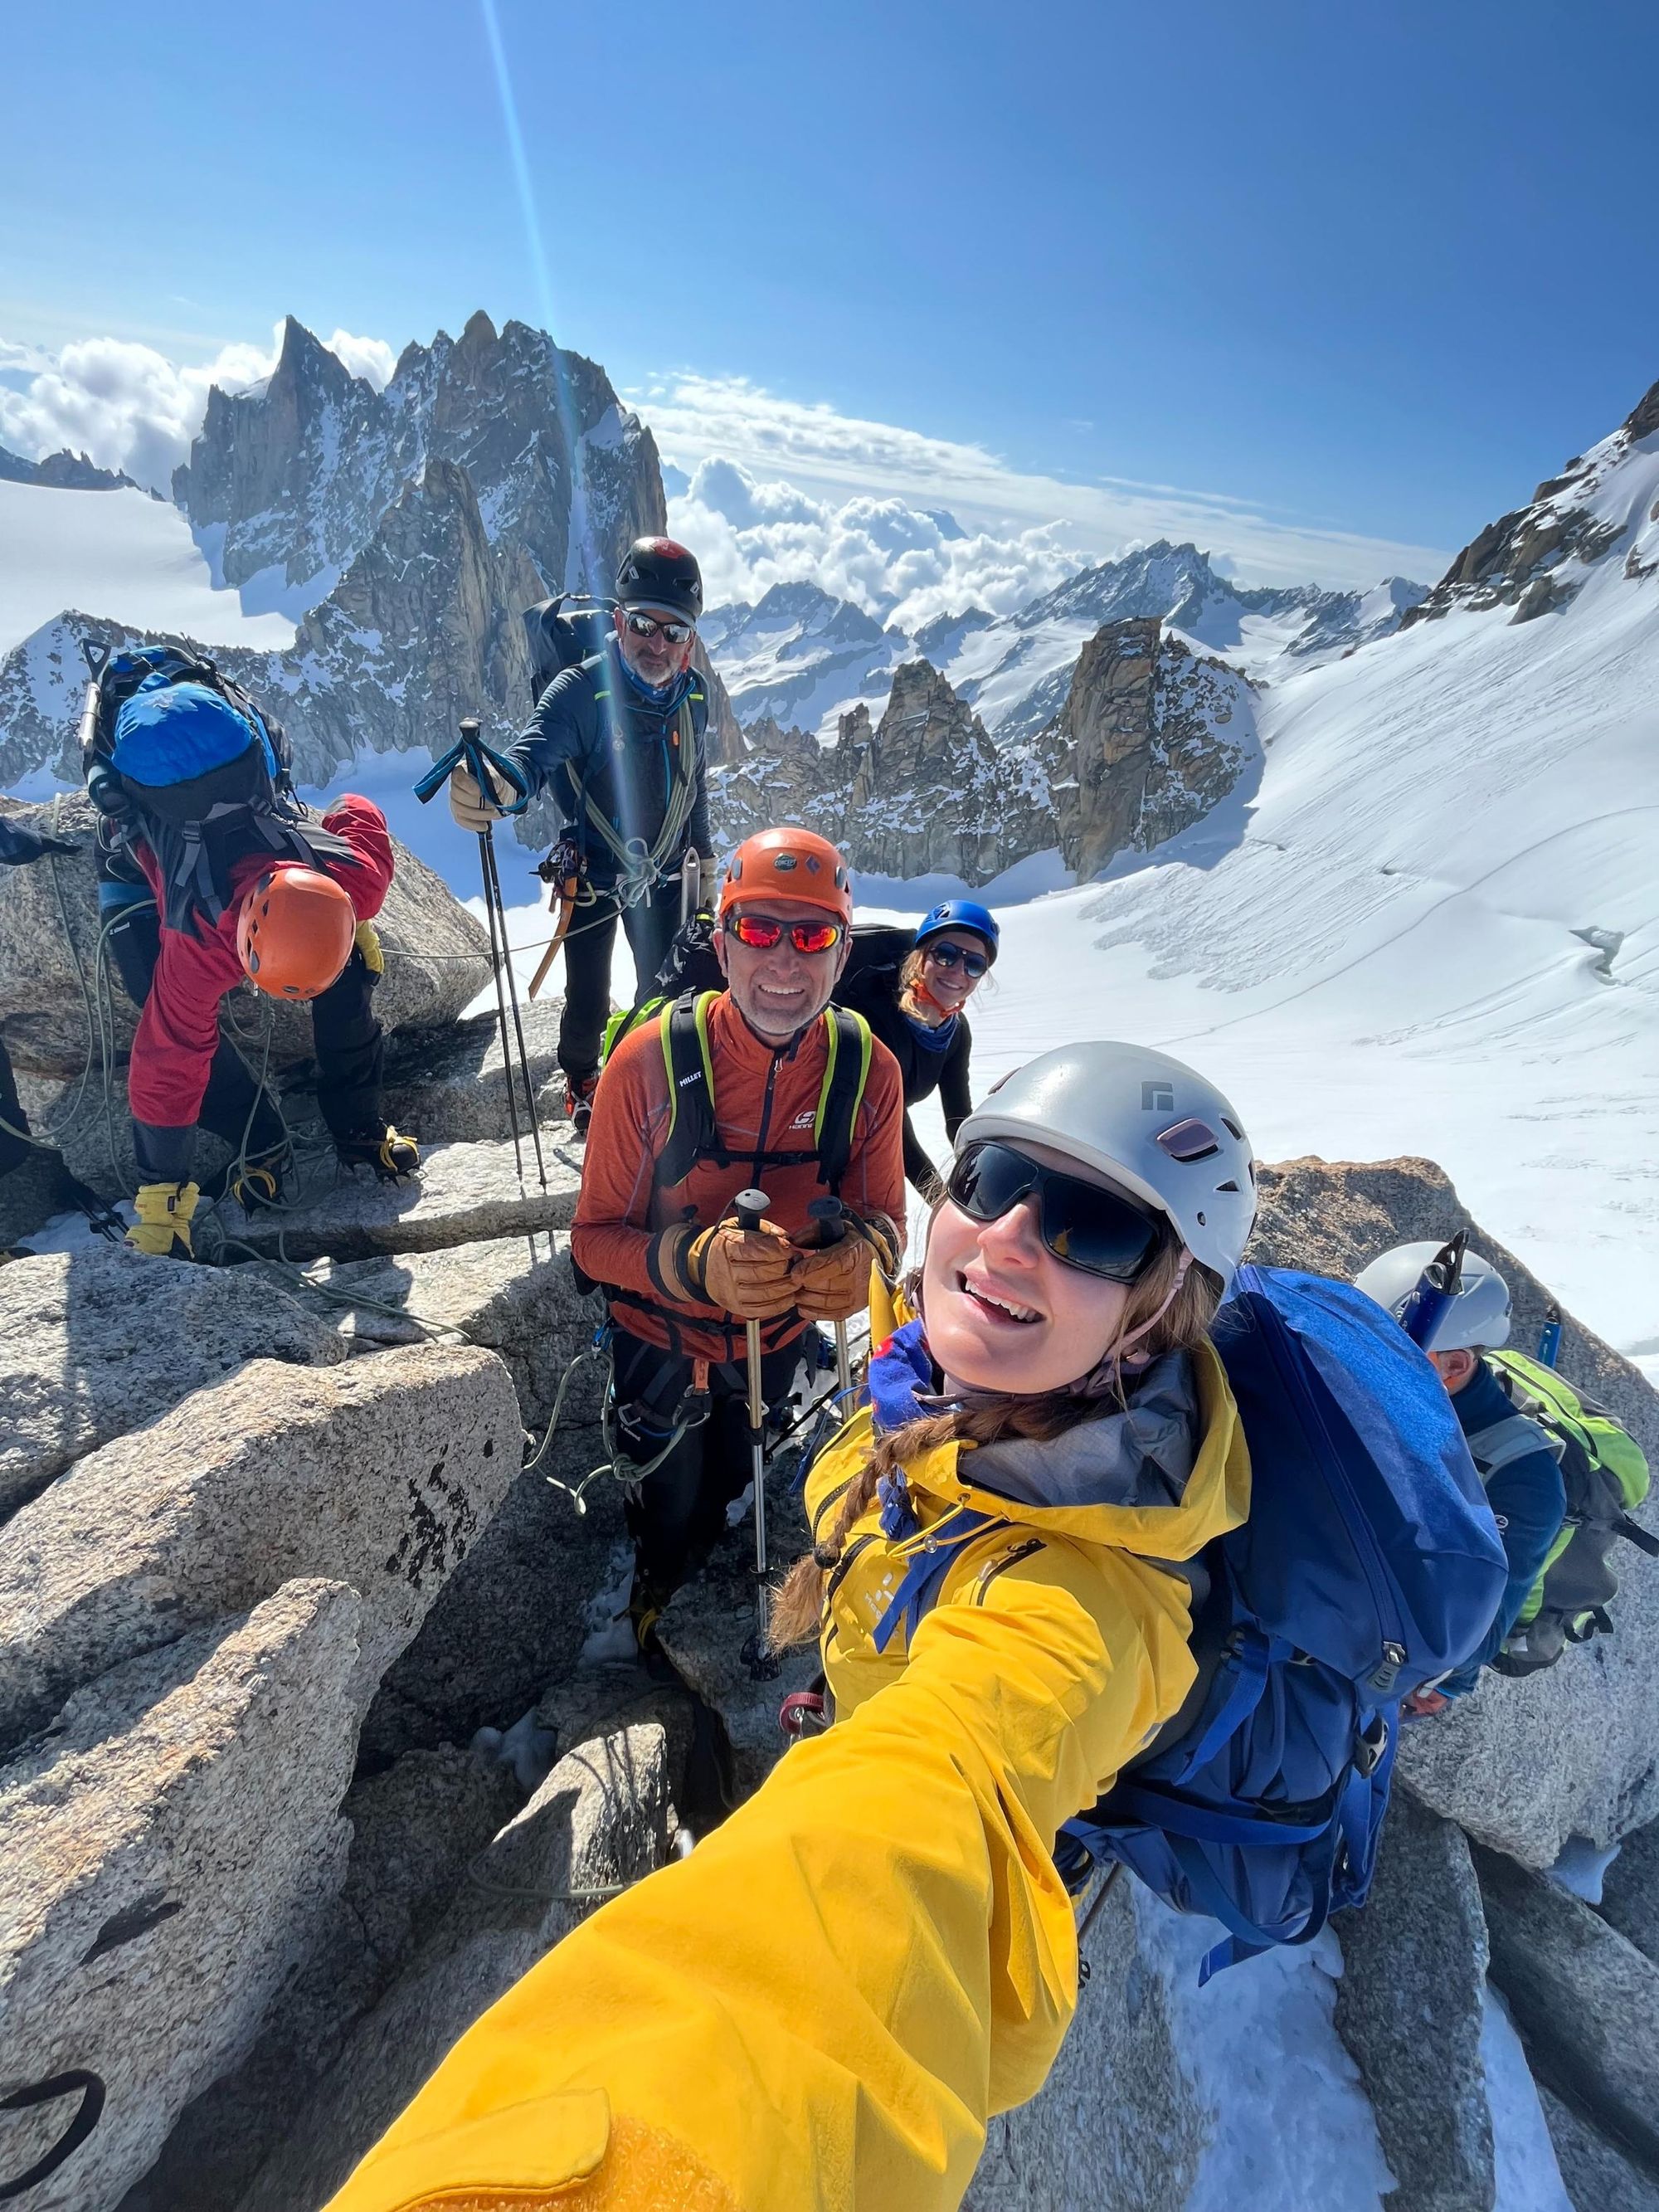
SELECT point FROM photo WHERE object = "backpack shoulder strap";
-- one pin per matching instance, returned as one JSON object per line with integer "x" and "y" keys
{"x": 845, "y": 1076}
{"x": 1515, "y": 1437}
{"x": 692, "y": 1131}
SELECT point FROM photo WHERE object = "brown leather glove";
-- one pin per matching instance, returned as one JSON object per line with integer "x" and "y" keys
{"x": 748, "y": 1275}
{"x": 834, "y": 1281}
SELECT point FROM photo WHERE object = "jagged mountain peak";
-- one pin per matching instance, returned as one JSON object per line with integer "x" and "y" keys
{"x": 1537, "y": 558}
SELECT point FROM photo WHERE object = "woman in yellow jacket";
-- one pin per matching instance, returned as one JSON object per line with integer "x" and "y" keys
{"x": 819, "y": 2010}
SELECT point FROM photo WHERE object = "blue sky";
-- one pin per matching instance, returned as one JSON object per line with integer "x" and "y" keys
{"x": 1371, "y": 271}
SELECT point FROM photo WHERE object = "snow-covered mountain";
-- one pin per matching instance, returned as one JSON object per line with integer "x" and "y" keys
{"x": 805, "y": 658}
{"x": 403, "y": 531}
{"x": 801, "y": 656}
{"x": 1017, "y": 671}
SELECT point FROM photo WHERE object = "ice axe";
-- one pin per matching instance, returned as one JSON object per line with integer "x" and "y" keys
{"x": 830, "y": 1213}
{"x": 690, "y": 885}
{"x": 1436, "y": 1293}
{"x": 562, "y": 870}
{"x": 750, "y": 1206}
{"x": 1549, "y": 1341}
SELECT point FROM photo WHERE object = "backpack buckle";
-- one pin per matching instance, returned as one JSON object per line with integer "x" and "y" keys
{"x": 1384, "y": 1676}
{"x": 1369, "y": 1745}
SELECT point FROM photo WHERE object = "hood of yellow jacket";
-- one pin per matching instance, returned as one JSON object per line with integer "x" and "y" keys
{"x": 1095, "y": 1493}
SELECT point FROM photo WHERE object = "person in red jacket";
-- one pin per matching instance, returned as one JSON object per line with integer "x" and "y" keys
{"x": 237, "y": 892}
{"x": 681, "y": 1278}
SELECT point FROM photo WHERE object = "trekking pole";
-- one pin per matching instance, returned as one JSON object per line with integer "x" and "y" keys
{"x": 831, "y": 1213}
{"x": 470, "y": 752}
{"x": 750, "y": 1206}
{"x": 1549, "y": 1344}
{"x": 1436, "y": 1292}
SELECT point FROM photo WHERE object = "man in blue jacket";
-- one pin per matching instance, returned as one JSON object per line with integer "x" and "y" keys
{"x": 620, "y": 742}
{"x": 1518, "y": 1462}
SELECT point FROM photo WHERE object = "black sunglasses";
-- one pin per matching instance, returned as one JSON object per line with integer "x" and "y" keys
{"x": 1082, "y": 1223}
{"x": 675, "y": 632}
{"x": 973, "y": 963}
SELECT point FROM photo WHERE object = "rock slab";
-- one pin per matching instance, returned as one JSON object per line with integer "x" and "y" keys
{"x": 600, "y": 1819}
{"x": 1585, "y": 2001}
{"x": 95, "y": 1343}
{"x": 415, "y": 1829}
{"x": 380, "y": 1473}
{"x": 463, "y": 1192}
{"x": 171, "y": 1848}
{"x": 1408, "y": 2008}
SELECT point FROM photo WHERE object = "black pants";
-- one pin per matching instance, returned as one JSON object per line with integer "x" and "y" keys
{"x": 350, "y": 1051}
{"x": 14, "y": 1149}
{"x": 682, "y": 1505}
{"x": 650, "y": 926}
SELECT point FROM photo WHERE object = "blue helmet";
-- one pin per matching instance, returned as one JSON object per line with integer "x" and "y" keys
{"x": 961, "y": 914}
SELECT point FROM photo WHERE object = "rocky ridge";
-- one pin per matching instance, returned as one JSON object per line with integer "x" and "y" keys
{"x": 405, "y": 530}
{"x": 1537, "y": 558}
{"x": 62, "y": 471}
{"x": 1149, "y": 738}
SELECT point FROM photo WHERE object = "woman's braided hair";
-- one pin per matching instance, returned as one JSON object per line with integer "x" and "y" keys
{"x": 797, "y": 1601}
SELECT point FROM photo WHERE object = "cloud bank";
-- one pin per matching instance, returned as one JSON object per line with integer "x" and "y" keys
{"x": 814, "y": 454}
{"x": 131, "y": 408}
{"x": 898, "y": 562}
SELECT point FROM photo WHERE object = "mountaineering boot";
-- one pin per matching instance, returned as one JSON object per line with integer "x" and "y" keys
{"x": 579, "y": 1100}
{"x": 390, "y": 1155}
{"x": 163, "y": 1229}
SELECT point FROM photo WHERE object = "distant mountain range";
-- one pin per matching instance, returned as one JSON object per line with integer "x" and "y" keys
{"x": 804, "y": 658}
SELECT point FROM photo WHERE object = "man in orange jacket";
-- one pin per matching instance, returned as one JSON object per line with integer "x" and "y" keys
{"x": 768, "y": 1095}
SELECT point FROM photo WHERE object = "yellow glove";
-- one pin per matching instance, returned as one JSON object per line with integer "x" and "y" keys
{"x": 368, "y": 944}
{"x": 468, "y": 803}
{"x": 163, "y": 1229}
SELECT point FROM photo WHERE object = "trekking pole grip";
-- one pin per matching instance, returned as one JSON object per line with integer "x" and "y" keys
{"x": 831, "y": 1216}
{"x": 750, "y": 1206}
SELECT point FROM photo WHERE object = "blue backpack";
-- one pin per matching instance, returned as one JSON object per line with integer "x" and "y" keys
{"x": 176, "y": 752}
{"x": 1370, "y": 1564}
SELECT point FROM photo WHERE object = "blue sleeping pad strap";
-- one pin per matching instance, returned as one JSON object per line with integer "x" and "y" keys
{"x": 935, "y": 1555}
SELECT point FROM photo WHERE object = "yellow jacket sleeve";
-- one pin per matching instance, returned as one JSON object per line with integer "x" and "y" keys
{"x": 822, "y": 2006}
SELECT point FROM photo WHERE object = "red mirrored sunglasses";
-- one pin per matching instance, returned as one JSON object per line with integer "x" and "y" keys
{"x": 761, "y": 933}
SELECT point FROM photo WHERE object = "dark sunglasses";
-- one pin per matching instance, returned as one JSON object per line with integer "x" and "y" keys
{"x": 644, "y": 626}
{"x": 947, "y": 956}
{"x": 1085, "y": 1226}
{"x": 761, "y": 933}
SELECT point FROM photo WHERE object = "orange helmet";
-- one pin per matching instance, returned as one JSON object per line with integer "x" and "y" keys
{"x": 296, "y": 932}
{"x": 789, "y": 864}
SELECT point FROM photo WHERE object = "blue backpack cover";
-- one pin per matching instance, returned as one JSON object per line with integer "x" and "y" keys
{"x": 1370, "y": 1564}
{"x": 170, "y": 730}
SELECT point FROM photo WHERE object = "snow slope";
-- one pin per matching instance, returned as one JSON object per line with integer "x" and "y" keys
{"x": 119, "y": 554}
{"x": 1405, "y": 945}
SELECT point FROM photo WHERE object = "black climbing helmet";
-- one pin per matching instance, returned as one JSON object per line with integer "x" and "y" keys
{"x": 656, "y": 572}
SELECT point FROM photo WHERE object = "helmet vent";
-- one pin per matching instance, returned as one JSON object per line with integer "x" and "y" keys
{"x": 1232, "y": 1128}
{"x": 1227, "y": 1186}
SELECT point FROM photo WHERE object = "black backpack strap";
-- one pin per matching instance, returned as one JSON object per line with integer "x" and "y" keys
{"x": 846, "y": 1075}
{"x": 692, "y": 1131}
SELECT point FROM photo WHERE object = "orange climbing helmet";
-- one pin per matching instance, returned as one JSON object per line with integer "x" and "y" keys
{"x": 790, "y": 863}
{"x": 296, "y": 932}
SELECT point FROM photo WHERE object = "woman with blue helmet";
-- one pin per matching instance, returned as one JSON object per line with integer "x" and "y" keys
{"x": 914, "y": 1006}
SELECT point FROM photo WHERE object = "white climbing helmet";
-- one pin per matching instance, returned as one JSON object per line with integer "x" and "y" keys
{"x": 1145, "y": 1122}
{"x": 1478, "y": 1320}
